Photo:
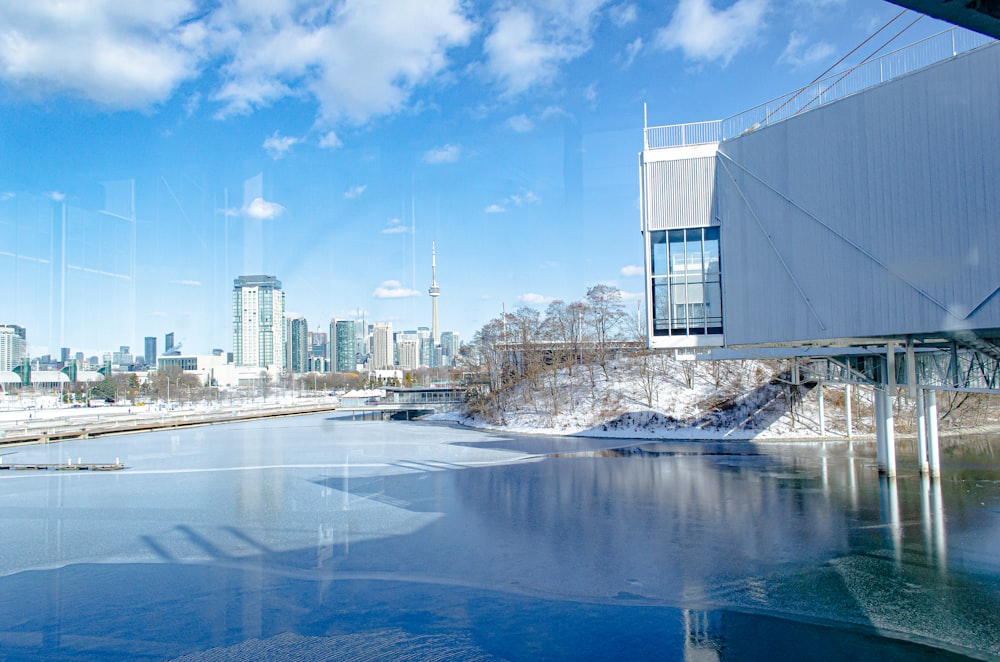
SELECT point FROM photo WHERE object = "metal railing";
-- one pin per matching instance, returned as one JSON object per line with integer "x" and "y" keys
{"x": 831, "y": 88}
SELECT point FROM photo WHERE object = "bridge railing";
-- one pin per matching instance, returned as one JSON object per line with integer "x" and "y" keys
{"x": 836, "y": 86}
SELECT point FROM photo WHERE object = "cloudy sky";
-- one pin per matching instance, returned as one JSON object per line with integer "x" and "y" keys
{"x": 152, "y": 152}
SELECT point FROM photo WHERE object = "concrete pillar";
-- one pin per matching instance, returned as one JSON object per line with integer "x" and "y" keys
{"x": 890, "y": 436}
{"x": 921, "y": 433}
{"x": 933, "y": 445}
{"x": 847, "y": 411}
{"x": 879, "y": 403}
{"x": 822, "y": 411}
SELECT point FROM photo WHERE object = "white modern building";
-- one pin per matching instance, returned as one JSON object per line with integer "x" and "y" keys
{"x": 13, "y": 347}
{"x": 408, "y": 347}
{"x": 258, "y": 322}
{"x": 860, "y": 210}
{"x": 382, "y": 349}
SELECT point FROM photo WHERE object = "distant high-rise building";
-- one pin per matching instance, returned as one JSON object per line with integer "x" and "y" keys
{"x": 297, "y": 358}
{"x": 343, "y": 346}
{"x": 150, "y": 351}
{"x": 450, "y": 343}
{"x": 123, "y": 357}
{"x": 168, "y": 342}
{"x": 258, "y": 322}
{"x": 382, "y": 350}
{"x": 64, "y": 355}
{"x": 13, "y": 346}
{"x": 435, "y": 292}
{"x": 408, "y": 346}
{"x": 426, "y": 347}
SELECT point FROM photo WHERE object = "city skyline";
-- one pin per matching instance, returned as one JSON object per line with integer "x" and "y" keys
{"x": 505, "y": 136}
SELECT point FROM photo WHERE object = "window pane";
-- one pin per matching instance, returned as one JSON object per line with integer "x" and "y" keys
{"x": 658, "y": 245}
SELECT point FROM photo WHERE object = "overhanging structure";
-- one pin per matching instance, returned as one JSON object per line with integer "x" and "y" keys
{"x": 863, "y": 209}
{"x": 858, "y": 218}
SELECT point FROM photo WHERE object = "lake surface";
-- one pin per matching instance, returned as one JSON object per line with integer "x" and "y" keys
{"x": 313, "y": 538}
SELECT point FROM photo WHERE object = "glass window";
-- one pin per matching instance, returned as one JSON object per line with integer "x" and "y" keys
{"x": 687, "y": 291}
{"x": 658, "y": 242}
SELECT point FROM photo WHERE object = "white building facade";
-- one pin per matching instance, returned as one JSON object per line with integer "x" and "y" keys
{"x": 382, "y": 349}
{"x": 258, "y": 322}
{"x": 13, "y": 347}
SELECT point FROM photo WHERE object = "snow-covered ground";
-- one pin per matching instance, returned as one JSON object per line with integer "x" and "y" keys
{"x": 28, "y": 415}
{"x": 658, "y": 397}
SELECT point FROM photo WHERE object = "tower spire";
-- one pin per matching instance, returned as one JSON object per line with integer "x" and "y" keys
{"x": 435, "y": 292}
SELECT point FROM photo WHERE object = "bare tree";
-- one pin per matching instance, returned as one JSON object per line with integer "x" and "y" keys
{"x": 606, "y": 313}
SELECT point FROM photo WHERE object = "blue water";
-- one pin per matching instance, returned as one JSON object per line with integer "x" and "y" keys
{"x": 309, "y": 538}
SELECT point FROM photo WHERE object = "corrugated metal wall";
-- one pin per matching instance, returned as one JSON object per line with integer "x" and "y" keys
{"x": 876, "y": 215}
{"x": 679, "y": 192}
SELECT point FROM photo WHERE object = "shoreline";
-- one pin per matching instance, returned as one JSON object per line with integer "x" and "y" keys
{"x": 57, "y": 424}
{"x": 66, "y": 424}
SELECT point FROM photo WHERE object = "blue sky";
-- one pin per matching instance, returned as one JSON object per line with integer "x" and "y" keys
{"x": 330, "y": 143}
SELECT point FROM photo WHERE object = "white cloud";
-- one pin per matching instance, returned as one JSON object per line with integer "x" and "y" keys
{"x": 260, "y": 208}
{"x": 354, "y": 59}
{"x": 393, "y": 289}
{"x": 521, "y": 123}
{"x": 354, "y": 191}
{"x": 526, "y": 198}
{"x": 623, "y": 14}
{"x": 527, "y": 46}
{"x": 555, "y": 111}
{"x": 633, "y": 270}
{"x": 515, "y": 200}
{"x": 277, "y": 146}
{"x": 632, "y": 51}
{"x": 532, "y": 299}
{"x": 358, "y": 59}
{"x": 187, "y": 283}
{"x": 6, "y": 195}
{"x": 395, "y": 226}
{"x": 445, "y": 154}
{"x": 590, "y": 93}
{"x": 798, "y": 54}
{"x": 704, "y": 33}
{"x": 330, "y": 140}
{"x": 158, "y": 313}
{"x": 117, "y": 53}
{"x": 55, "y": 196}
{"x": 633, "y": 297}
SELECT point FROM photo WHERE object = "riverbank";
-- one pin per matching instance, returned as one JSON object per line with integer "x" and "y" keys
{"x": 61, "y": 423}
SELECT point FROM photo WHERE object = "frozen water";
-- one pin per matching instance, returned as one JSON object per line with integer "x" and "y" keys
{"x": 310, "y": 537}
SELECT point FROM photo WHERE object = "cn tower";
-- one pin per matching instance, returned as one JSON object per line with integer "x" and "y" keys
{"x": 435, "y": 292}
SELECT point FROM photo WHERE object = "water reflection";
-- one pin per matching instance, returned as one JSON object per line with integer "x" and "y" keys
{"x": 497, "y": 546}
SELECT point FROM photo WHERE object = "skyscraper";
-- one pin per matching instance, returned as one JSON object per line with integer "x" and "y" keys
{"x": 13, "y": 346}
{"x": 450, "y": 343}
{"x": 382, "y": 346}
{"x": 258, "y": 322}
{"x": 435, "y": 292}
{"x": 168, "y": 343}
{"x": 150, "y": 351}
{"x": 408, "y": 345}
{"x": 343, "y": 345}
{"x": 297, "y": 358}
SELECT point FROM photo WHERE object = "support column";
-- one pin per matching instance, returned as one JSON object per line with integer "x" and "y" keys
{"x": 847, "y": 411}
{"x": 890, "y": 436}
{"x": 890, "y": 399}
{"x": 879, "y": 403}
{"x": 822, "y": 411}
{"x": 933, "y": 446}
{"x": 921, "y": 433}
